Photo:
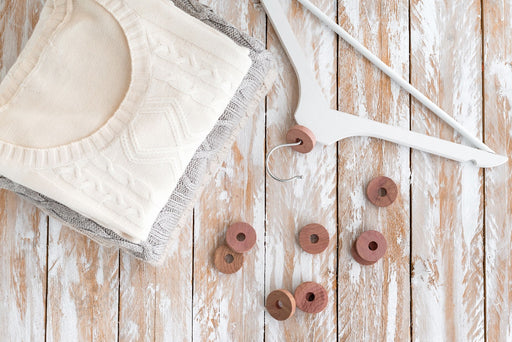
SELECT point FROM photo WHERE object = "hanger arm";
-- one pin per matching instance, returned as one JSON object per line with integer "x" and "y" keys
{"x": 331, "y": 125}
{"x": 307, "y": 82}
{"x": 394, "y": 75}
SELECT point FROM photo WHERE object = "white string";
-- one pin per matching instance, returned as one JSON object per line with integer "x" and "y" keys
{"x": 279, "y": 179}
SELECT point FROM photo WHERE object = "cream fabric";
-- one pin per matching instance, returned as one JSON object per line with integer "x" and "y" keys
{"x": 108, "y": 103}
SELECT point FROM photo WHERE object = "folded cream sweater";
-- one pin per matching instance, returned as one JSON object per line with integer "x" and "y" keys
{"x": 109, "y": 101}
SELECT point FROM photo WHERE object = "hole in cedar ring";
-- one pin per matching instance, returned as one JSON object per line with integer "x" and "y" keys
{"x": 229, "y": 258}
{"x": 314, "y": 238}
{"x": 299, "y": 141}
{"x": 373, "y": 246}
{"x": 279, "y": 304}
{"x": 382, "y": 192}
{"x": 310, "y": 296}
{"x": 240, "y": 237}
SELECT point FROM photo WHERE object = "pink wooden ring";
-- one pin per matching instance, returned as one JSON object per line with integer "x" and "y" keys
{"x": 369, "y": 247}
{"x": 280, "y": 304}
{"x": 241, "y": 237}
{"x": 382, "y": 191}
{"x": 311, "y": 297}
{"x": 300, "y": 133}
{"x": 228, "y": 261}
{"x": 314, "y": 238}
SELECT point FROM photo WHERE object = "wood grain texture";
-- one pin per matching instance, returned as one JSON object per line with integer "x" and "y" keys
{"x": 23, "y": 266}
{"x": 17, "y": 21}
{"x": 497, "y": 19}
{"x": 229, "y": 307}
{"x": 291, "y": 206}
{"x": 24, "y": 229}
{"x": 83, "y": 285}
{"x": 447, "y": 197}
{"x": 380, "y": 293}
{"x": 156, "y": 302}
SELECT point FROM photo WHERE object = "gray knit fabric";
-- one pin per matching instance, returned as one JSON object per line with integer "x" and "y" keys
{"x": 200, "y": 169}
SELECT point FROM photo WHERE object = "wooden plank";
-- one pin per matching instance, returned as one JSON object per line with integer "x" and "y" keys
{"x": 291, "y": 206}
{"x": 447, "y": 197}
{"x": 374, "y": 300}
{"x": 156, "y": 302}
{"x": 24, "y": 229}
{"x": 83, "y": 284}
{"x": 497, "y": 19}
{"x": 230, "y": 307}
{"x": 23, "y": 238}
{"x": 17, "y": 21}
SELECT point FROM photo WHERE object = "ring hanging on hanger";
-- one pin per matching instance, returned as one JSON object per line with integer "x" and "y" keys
{"x": 300, "y": 139}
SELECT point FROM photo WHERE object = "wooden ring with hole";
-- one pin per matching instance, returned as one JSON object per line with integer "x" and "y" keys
{"x": 382, "y": 191}
{"x": 228, "y": 261}
{"x": 314, "y": 238}
{"x": 369, "y": 247}
{"x": 280, "y": 304}
{"x": 241, "y": 237}
{"x": 300, "y": 133}
{"x": 311, "y": 297}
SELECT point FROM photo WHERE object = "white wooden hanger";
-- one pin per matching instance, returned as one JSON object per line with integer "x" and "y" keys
{"x": 328, "y": 126}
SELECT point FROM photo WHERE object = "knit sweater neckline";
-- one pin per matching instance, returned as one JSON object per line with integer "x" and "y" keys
{"x": 40, "y": 158}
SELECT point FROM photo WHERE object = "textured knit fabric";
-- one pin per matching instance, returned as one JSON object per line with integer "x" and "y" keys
{"x": 105, "y": 111}
{"x": 201, "y": 166}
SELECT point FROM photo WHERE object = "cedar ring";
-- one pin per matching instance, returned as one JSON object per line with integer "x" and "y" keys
{"x": 280, "y": 304}
{"x": 311, "y": 297}
{"x": 240, "y": 237}
{"x": 227, "y": 261}
{"x": 300, "y": 133}
{"x": 382, "y": 191}
{"x": 314, "y": 238}
{"x": 369, "y": 247}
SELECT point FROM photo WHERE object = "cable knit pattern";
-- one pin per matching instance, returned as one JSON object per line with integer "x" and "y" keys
{"x": 106, "y": 183}
{"x": 200, "y": 168}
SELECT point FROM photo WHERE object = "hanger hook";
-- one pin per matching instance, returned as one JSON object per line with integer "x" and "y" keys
{"x": 282, "y": 180}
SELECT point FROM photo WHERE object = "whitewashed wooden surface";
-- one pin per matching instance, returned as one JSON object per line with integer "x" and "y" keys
{"x": 447, "y": 275}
